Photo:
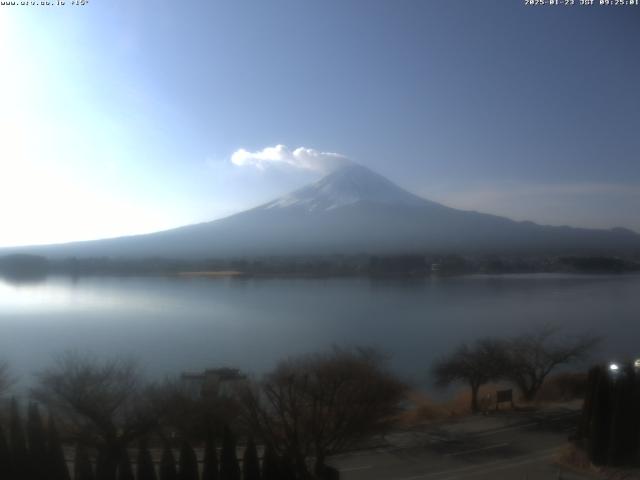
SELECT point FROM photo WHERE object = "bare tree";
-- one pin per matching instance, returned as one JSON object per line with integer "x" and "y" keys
{"x": 192, "y": 416}
{"x": 533, "y": 356}
{"x": 101, "y": 400}
{"x": 314, "y": 406}
{"x": 475, "y": 365}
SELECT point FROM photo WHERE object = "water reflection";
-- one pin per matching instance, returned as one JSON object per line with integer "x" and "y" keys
{"x": 174, "y": 324}
{"x": 23, "y": 278}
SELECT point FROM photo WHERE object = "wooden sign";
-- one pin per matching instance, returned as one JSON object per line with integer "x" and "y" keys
{"x": 503, "y": 396}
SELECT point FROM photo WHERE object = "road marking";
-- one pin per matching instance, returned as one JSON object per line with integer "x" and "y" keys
{"x": 465, "y": 452}
{"x": 353, "y": 469}
{"x": 523, "y": 425}
{"x": 481, "y": 471}
{"x": 486, "y": 467}
{"x": 484, "y": 434}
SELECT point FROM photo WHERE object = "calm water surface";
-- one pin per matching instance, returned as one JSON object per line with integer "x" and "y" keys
{"x": 176, "y": 324}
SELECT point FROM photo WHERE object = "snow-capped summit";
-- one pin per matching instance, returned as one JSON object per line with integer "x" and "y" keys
{"x": 348, "y": 185}
{"x": 351, "y": 211}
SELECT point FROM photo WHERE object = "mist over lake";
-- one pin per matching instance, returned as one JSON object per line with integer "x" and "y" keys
{"x": 182, "y": 324}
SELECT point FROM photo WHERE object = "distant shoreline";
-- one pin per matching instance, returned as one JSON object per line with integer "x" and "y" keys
{"x": 213, "y": 273}
{"x": 310, "y": 275}
{"x": 405, "y": 266}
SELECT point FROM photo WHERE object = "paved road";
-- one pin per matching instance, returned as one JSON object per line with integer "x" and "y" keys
{"x": 501, "y": 446}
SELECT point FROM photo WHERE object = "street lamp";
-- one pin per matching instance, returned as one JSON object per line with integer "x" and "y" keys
{"x": 636, "y": 364}
{"x": 614, "y": 368}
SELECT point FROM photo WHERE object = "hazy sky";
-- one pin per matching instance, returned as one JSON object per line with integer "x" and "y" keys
{"x": 123, "y": 117}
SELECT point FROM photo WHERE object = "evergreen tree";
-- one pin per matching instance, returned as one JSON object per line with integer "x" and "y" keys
{"x": 270, "y": 464}
{"x": 188, "y": 463}
{"x": 17, "y": 444}
{"x": 125, "y": 472}
{"x": 287, "y": 471}
{"x": 56, "y": 462}
{"x": 611, "y": 416}
{"x": 622, "y": 446}
{"x": 82, "y": 465}
{"x": 598, "y": 440}
{"x": 104, "y": 466}
{"x": 168, "y": 465}
{"x": 210, "y": 467}
{"x": 5, "y": 456}
{"x": 250, "y": 462}
{"x": 145, "y": 469}
{"x": 229, "y": 467}
{"x": 589, "y": 401}
{"x": 36, "y": 438}
{"x": 634, "y": 420}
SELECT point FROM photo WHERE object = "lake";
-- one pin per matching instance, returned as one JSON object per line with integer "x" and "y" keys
{"x": 176, "y": 324}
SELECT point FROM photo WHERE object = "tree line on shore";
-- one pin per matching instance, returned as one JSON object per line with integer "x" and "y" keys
{"x": 26, "y": 267}
{"x": 301, "y": 413}
{"x": 307, "y": 409}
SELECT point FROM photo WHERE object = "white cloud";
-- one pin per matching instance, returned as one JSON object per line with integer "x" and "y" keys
{"x": 280, "y": 155}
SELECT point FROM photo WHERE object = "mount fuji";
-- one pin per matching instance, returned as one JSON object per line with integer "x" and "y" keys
{"x": 351, "y": 211}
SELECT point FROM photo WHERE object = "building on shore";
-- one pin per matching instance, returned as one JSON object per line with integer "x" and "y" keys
{"x": 212, "y": 382}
